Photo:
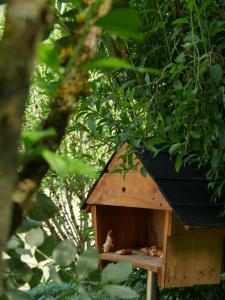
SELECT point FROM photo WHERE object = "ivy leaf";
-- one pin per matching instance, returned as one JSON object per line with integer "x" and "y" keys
{"x": 35, "y": 237}
{"x": 65, "y": 253}
{"x": 87, "y": 263}
{"x": 217, "y": 73}
{"x": 116, "y": 273}
{"x": 43, "y": 208}
{"x": 124, "y": 23}
{"x": 122, "y": 292}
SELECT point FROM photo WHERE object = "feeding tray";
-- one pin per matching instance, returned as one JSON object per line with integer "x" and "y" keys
{"x": 138, "y": 260}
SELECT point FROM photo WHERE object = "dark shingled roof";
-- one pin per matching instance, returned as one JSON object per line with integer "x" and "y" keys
{"x": 186, "y": 191}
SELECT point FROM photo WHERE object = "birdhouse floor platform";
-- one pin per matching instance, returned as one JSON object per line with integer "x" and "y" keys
{"x": 137, "y": 259}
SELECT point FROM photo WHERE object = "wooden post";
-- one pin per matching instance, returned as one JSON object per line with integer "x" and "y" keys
{"x": 152, "y": 289}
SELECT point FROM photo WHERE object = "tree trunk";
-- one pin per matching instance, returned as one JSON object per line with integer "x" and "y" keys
{"x": 25, "y": 21}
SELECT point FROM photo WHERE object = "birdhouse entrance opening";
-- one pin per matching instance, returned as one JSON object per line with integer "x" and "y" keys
{"x": 131, "y": 228}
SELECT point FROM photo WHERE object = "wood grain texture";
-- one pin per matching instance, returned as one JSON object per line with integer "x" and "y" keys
{"x": 131, "y": 190}
{"x": 138, "y": 260}
{"x": 128, "y": 226}
{"x": 193, "y": 259}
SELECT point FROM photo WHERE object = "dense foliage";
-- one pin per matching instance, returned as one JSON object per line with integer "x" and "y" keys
{"x": 158, "y": 81}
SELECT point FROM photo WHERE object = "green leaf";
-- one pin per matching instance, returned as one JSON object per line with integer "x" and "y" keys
{"x": 122, "y": 292}
{"x": 175, "y": 148}
{"x": 43, "y": 208}
{"x": 54, "y": 275}
{"x": 179, "y": 161}
{"x": 46, "y": 248}
{"x": 216, "y": 72}
{"x": 116, "y": 273}
{"x": 37, "y": 135}
{"x": 112, "y": 63}
{"x": 15, "y": 242}
{"x": 48, "y": 56}
{"x": 17, "y": 273}
{"x": 181, "y": 21}
{"x": 28, "y": 224}
{"x": 87, "y": 263}
{"x": 36, "y": 278}
{"x": 35, "y": 237}
{"x": 17, "y": 295}
{"x": 3, "y": 2}
{"x": 66, "y": 166}
{"x": 65, "y": 253}
{"x": 124, "y": 23}
{"x": 83, "y": 294}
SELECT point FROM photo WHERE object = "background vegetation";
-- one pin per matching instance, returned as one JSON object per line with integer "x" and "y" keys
{"x": 153, "y": 77}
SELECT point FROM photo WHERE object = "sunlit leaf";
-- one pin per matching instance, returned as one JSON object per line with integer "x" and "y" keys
{"x": 36, "y": 135}
{"x": 87, "y": 263}
{"x": 65, "y": 253}
{"x": 35, "y": 237}
{"x": 112, "y": 63}
{"x": 116, "y": 273}
{"x": 125, "y": 23}
{"x": 66, "y": 166}
{"x": 48, "y": 56}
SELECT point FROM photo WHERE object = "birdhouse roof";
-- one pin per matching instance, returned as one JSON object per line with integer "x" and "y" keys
{"x": 186, "y": 191}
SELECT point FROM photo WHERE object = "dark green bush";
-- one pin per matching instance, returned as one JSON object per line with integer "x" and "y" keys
{"x": 50, "y": 291}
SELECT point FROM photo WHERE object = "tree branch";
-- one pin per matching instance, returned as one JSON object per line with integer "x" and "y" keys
{"x": 71, "y": 89}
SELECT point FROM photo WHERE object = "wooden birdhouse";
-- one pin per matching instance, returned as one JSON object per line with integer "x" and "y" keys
{"x": 169, "y": 210}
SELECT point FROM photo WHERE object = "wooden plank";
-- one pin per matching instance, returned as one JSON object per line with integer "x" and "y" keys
{"x": 137, "y": 259}
{"x": 193, "y": 259}
{"x": 166, "y": 233}
{"x": 94, "y": 223}
{"x": 155, "y": 227}
{"x": 131, "y": 190}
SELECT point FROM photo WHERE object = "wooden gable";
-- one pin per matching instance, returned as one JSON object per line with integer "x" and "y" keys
{"x": 130, "y": 190}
